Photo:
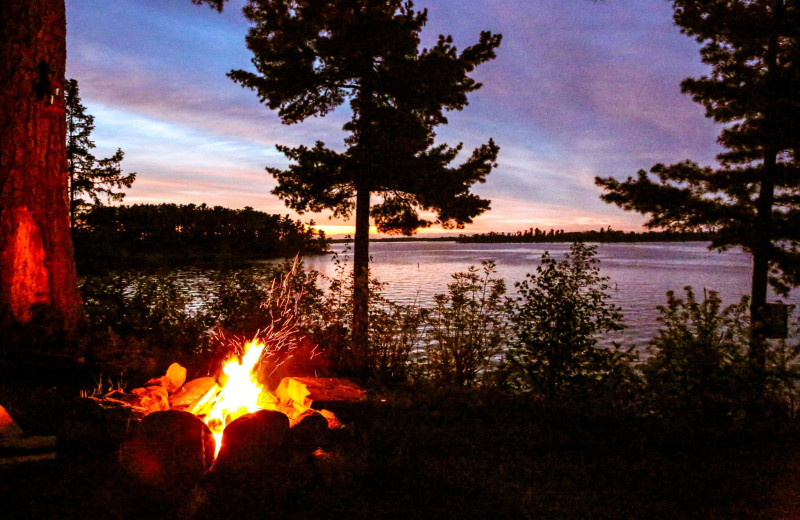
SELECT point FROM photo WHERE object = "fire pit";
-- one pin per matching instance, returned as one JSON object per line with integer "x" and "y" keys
{"x": 181, "y": 427}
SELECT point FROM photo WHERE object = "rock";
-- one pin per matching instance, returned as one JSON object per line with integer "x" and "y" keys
{"x": 169, "y": 448}
{"x": 311, "y": 432}
{"x": 95, "y": 425}
{"x": 254, "y": 440}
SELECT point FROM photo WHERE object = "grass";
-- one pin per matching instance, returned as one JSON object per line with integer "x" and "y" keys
{"x": 449, "y": 454}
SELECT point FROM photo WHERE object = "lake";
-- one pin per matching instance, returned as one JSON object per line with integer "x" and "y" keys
{"x": 640, "y": 273}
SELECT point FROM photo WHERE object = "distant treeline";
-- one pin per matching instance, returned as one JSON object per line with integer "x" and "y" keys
{"x": 144, "y": 235}
{"x": 535, "y": 235}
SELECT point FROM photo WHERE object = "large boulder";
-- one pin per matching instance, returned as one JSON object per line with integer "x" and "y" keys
{"x": 168, "y": 449}
{"x": 254, "y": 440}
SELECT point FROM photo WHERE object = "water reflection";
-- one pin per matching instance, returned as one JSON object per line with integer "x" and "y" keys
{"x": 640, "y": 273}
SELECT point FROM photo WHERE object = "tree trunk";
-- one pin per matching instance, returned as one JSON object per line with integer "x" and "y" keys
{"x": 37, "y": 268}
{"x": 762, "y": 232}
{"x": 759, "y": 282}
{"x": 361, "y": 279}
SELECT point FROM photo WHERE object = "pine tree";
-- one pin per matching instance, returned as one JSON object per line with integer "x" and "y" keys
{"x": 752, "y": 199}
{"x": 313, "y": 55}
{"x": 37, "y": 268}
{"x": 89, "y": 178}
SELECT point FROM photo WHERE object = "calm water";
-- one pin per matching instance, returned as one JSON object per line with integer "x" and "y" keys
{"x": 640, "y": 273}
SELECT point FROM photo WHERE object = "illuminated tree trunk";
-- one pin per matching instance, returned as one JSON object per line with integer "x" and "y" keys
{"x": 37, "y": 268}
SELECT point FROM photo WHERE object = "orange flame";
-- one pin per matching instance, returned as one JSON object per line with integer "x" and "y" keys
{"x": 240, "y": 393}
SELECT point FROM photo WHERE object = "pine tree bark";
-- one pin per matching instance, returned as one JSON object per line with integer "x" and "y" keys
{"x": 763, "y": 232}
{"x": 37, "y": 267}
{"x": 361, "y": 279}
{"x": 760, "y": 276}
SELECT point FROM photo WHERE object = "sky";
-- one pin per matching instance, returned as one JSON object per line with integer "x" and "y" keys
{"x": 579, "y": 89}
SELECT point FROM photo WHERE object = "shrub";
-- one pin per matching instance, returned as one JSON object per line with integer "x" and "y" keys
{"x": 699, "y": 372}
{"x": 466, "y": 328}
{"x": 394, "y": 329}
{"x": 152, "y": 307}
{"x": 244, "y": 301}
{"x": 698, "y": 369}
{"x": 783, "y": 373}
{"x": 561, "y": 311}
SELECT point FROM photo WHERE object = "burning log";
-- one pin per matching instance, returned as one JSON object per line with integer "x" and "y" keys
{"x": 303, "y": 391}
{"x": 152, "y": 398}
{"x": 195, "y": 395}
{"x": 297, "y": 395}
{"x": 168, "y": 448}
{"x": 172, "y": 380}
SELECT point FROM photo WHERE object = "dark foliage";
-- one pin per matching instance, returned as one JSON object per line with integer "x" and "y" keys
{"x": 539, "y": 236}
{"x": 311, "y": 57}
{"x": 753, "y": 198}
{"x": 90, "y": 179}
{"x": 170, "y": 234}
{"x": 557, "y": 321}
{"x": 697, "y": 376}
{"x": 440, "y": 455}
{"x": 698, "y": 370}
{"x": 467, "y": 329}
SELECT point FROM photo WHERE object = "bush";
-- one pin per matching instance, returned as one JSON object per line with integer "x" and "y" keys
{"x": 699, "y": 373}
{"x": 466, "y": 328}
{"x": 783, "y": 374}
{"x": 561, "y": 311}
{"x": 244, "y": 301}
{"x": 152, "y": 307}
{"x": 394, "y": 330}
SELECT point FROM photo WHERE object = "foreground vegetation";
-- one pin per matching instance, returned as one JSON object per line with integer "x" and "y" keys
{"x": 544, "y": 343}
{"x": 479, "y": 406}
{"x": 440, "y": 454}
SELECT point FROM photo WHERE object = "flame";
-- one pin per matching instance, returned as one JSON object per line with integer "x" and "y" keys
{"x": 240, "y": 393}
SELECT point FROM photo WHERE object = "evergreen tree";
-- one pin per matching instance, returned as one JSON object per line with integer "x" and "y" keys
{"x": 89, "y": 178}
{"x": 313, "y": 55}
{"x": 752, "y": 198}
{"x": 38, "y": 280}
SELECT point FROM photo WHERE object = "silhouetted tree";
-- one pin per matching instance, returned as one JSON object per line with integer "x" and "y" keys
{"x": 37, "y": 268}
{"x": 90, "y": 178}
{"x": 312, "y": 56}
{"x": 753, "y": 197}
{"x": 112, "y": 237}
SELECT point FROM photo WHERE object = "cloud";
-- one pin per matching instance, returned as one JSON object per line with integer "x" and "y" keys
{"x": 578, "y": 89}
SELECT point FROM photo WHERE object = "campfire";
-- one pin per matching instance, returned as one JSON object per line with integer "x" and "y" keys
{"x": 234, "y": 393}
{"x": 242, "y": 414}
{"x": 227, "y": 422}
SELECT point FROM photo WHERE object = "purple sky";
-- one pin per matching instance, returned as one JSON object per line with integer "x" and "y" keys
{"x": 578, "y": 89}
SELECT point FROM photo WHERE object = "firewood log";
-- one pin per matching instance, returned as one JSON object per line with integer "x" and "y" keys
{"x": 172, "y": 380}
{"x": 194, "y": 395}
